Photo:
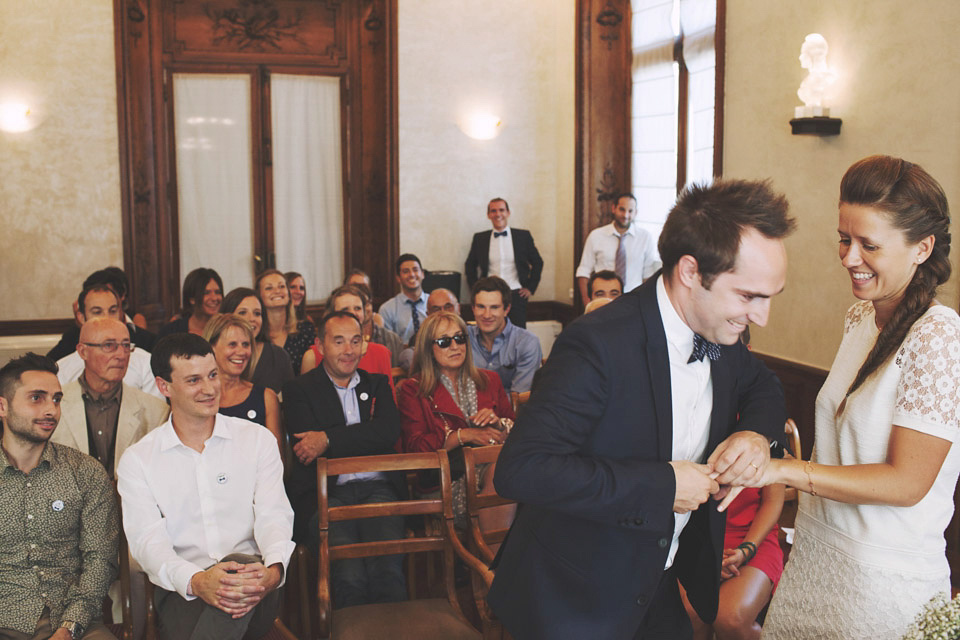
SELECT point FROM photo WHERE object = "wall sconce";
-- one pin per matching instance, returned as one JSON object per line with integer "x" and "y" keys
{"x": 15, "y": 117}
{"x": 481, "y": 125}
{"x": 814, "y": 117}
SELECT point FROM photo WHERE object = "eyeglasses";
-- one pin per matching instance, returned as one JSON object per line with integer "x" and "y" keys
{"x": 445, "y": 341}
{"x": 110, "y": 346}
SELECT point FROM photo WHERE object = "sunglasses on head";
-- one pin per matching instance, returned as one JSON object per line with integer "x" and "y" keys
{"x": 446, "y": 341}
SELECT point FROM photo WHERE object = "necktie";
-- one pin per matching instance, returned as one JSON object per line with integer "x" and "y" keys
{"x": 416, "y": 316}
{"x": 621, "y": 260}
{"x": 703, "y": 348}
{"x": 497, "y": 234}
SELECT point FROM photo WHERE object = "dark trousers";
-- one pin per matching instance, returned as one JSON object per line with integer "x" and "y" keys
{"x": 196, "y": 620}
{"x": 666, "y": 617}
{"x": 356, "y": 581}
{"x": 518, "y": 310}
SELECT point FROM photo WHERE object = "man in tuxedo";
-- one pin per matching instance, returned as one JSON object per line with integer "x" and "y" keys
{"x": 338, "y": 411}
{"x": 508, "y": 253}
{"x": 630, "y": 430}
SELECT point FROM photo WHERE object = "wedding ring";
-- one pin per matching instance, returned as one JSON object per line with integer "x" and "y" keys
{"x": 755, "y": 466}
{"x": 492, "y": 441}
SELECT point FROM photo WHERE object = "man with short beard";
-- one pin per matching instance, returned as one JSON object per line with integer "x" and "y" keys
{"x": 58, "y": 516}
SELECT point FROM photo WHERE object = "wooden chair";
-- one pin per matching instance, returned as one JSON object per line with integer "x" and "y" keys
{"x": 519, "y": 398}
{"x": 412, "y": 619}
{"x": 791, "y": 498}
{"x": 792, "y": 434}
{"x": 481, "y": 540}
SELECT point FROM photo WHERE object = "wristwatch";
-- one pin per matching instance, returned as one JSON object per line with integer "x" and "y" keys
{"x": 75, "y": 628}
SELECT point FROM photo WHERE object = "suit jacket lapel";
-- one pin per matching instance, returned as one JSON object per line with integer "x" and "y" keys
{"x": 328, "y": 401}
{"x": 364, "y": 398}
{"x": 484, "y": 256}
{"x": 722, "y": 379}
{"x": 128, "y": 422}
{"x": 75, "y": 415}
{"x": 658, "y": 365}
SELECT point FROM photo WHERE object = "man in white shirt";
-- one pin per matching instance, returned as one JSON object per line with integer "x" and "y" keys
{"x": 204, "y": 507}
{"x": 509, "y": 254}
{"x": 100, "y": 301}
{"x": 621, "y": 247}
{"x": 404, "y": 312}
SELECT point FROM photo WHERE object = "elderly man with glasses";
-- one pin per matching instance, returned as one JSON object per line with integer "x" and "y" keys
{"x": 101, "y": 301}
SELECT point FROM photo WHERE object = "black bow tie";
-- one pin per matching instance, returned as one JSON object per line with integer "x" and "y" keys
{"x": 497, "y": 234}
{"x": 701, "y": 347}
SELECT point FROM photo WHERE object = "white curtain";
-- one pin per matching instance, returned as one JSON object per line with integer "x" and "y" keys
{"x": 212, "y": 132}
{"x": 307, "y": 179}
{"x": 654, "y": 111}
{"x": 699, "y": 21}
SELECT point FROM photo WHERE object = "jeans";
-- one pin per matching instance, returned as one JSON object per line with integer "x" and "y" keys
{"x": 363, "y": 580}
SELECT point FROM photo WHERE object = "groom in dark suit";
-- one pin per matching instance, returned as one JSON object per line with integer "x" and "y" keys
{"x": 647, "y": 412}
{"x": 508, "y": 253}
{"x": 338, "y": 411}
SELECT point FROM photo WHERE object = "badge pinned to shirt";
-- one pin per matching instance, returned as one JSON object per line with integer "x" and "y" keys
{"x": 222, "y": 478}
{"x": 57, "y": 505}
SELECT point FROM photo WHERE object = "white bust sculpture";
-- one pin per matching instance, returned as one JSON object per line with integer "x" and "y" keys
{"x": 813, "y": 57}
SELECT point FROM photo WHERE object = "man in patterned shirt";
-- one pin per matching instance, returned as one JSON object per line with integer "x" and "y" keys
{"x": 58, "y": 516}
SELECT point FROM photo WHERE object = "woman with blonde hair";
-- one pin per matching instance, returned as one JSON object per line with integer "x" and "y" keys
{"x": 878, "y": 490}
{"x": 232, "y": 340}
{"x": 281, "y": 325}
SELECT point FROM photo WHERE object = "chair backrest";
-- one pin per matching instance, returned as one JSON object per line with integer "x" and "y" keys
{"x": 518, "y": 398}
{"x": 474, "y": 457}
{"x": 446, "y": 541}
{"x": 792, "y": 432}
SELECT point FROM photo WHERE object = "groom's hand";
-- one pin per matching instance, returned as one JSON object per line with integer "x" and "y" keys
{"x": 741, "y": 459}
{"x": 695, "y": 484}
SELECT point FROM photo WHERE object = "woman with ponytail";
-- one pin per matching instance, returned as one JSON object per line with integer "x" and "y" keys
{"x": 878, "y": 491}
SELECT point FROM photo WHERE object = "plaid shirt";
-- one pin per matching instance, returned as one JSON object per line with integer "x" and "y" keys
{"x": 59, "y": 527}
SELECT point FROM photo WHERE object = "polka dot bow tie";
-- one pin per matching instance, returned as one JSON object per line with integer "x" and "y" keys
{"x": 701, "y": 347}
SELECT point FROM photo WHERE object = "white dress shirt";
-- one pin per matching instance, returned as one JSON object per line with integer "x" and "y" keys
{"x": 691, "y": 398}
{"x": 139, "y": 374}
{"x": 600, "y": 252}
{"x": 184, "y": 511}
{"x": 502, "y": 261}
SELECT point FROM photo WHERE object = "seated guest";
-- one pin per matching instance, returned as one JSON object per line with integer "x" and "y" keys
{"x": 593, "y": 305}
{"x": 374, "y": 358}
{"x": 59, "y": 526}
{"x": 337, "y": 411}
{"x": 297, "y": 287}
{"x": 751, "y": 567}
{"x": 373, "y": 329}
{"x": 604, "y": 284}
{"x": 102, "y": 301}
{"x": 440, "y": 299}
{"x": 203, "y": 506}
{"x": 404, "y": 312}
{"x": 271, "y": 364}
{"x": 116, "y": 279}
{"x": 448, "y": 402}
{"x": 282, "y": 327}
{"x": 100, "y": 414}
{"x": 359, "y": 278}
{"x": 497, "y": 344}
{"x": 202, "y": 295}
{"x": 232, "y": 340}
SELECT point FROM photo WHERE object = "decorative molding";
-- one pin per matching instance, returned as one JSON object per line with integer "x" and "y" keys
{"x": 254, "y": 24}
{"x": 35, "y": 327}
{"x": 608, "y": 190}
{"x": 609, "y": 18}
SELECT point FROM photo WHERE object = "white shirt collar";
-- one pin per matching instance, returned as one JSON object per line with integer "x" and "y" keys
{"x": 170, "y": 439}
{"x": 616, "y": 234}
{"x": 679, "y": 335}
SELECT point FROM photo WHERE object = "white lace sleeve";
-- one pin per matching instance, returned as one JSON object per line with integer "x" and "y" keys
{"x": 928, "y": 394}
{"x": 855, "y": 315}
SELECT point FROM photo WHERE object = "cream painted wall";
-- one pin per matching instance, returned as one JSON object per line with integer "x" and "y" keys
{"x": 898, "y": 94}
{"x": 60, "y": 182}
{"x": 516, "y": 60}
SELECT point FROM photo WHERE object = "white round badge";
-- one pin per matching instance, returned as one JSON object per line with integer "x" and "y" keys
{"x": 57, "y": 505}
{"x": 252, "y": 414}
{"x": 364, "y": 396}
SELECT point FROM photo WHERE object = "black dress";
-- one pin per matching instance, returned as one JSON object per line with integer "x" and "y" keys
{"x": 254, "y": 408}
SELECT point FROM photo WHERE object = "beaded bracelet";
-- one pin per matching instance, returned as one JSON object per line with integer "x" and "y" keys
{"x": 808, "y": 467}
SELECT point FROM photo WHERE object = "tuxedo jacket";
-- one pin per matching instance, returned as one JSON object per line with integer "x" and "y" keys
{"x": 588, "y": 461}
{"x": 311, "y": 403}
{"x": 140, "y": 413}
{"x": 528, "y": 260}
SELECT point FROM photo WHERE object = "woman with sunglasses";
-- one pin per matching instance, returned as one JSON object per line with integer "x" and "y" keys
{"x": 447, "y": 402}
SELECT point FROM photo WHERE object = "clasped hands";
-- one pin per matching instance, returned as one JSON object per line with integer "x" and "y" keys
{"x": 236, "y": 588}
{"x": 737, "y": 462}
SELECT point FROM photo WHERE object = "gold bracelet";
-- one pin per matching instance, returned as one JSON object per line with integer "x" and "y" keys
{"x": 808, "y": 467}
{"x": 459, "y": 440}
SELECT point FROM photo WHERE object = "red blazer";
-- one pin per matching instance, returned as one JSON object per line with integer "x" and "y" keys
{"x": 422, "y": 419}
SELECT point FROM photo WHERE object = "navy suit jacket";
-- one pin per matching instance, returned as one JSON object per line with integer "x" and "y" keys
{"x": 525, "y": 254}
{"x": 311, "y": 403}
{"x": 588, "y": 461}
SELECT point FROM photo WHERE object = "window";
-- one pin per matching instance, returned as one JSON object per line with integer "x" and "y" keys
{"x": 675, "y": 119}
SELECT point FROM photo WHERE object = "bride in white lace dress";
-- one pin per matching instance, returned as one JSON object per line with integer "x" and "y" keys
{"x": 869, "y": 549}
